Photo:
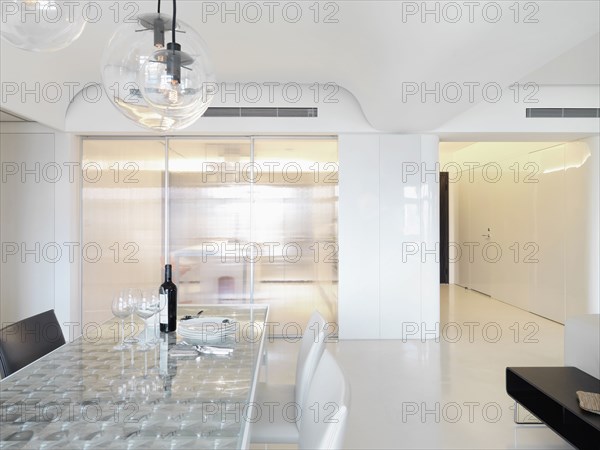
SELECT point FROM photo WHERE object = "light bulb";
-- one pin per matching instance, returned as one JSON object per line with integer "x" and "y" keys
{"x": 41, "y": 26}
{"x": 168, "y": 79}
{"x": 179, "y": 81}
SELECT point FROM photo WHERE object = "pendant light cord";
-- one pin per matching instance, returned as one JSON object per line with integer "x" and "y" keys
{"x": 158, "y": 7}
{"x": 174, "y": 20}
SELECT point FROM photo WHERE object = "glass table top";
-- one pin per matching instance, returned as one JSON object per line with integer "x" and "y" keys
{"x": 88, "y": 395}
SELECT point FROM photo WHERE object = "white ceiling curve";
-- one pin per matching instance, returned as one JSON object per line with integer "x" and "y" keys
{"x": 380, "y": 51}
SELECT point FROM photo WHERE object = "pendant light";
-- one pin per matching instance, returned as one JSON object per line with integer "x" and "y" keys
{"x": 131, "y": 46}
{"x": 41, "y": 25}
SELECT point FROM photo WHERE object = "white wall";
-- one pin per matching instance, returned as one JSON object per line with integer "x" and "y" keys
{"x": 543, "y": 215}
{"x": 389, "y": 287}
{"x": 38, "y": 219}
{"x": 582, "y": 252}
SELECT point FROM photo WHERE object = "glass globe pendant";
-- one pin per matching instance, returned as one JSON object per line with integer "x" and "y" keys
{"x": 125, "y": 58}
{"x": 41, "y": 25}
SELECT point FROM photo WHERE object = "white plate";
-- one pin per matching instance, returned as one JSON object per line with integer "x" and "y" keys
{"x": 207, "y": 324}
{"x": 190, "y": 333}
{"x": 210, "y": 339}
{"x": 207, "y": 329}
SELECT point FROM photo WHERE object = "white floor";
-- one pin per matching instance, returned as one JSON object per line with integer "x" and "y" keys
{"x": 442, "y": 395}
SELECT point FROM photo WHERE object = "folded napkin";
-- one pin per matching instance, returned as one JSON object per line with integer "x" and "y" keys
{"x": 590, "y": 401}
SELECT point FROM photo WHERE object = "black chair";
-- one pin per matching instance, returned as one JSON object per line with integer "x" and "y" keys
{"x": 21, "y": 343}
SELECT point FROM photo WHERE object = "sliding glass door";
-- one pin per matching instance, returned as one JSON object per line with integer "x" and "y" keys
{"x": 249, "y": 220}
{"x": 294, "y": 218}
{"x": 210, "y": 210}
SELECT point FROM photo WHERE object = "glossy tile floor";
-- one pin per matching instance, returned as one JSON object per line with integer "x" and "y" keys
{"x": 441, "y": 395}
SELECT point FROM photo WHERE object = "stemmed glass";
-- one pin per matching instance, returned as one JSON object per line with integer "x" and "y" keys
{"x": 121, "y": 308}
{"x": 145, "y": 310}
{"x": 133, "y": 296}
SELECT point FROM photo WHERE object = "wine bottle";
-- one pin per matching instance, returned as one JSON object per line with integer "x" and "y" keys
{"x": 168, "y": 297}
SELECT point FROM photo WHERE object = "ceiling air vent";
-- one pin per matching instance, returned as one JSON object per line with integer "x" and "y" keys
{"x": 563, "y": 112}
{"x": 261, "y": 112}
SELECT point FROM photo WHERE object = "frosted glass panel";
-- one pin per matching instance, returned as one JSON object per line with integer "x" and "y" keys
{"x": 294, "y": 221}
{"x": 122, "y": 221}
{"x": 249, "y": 221}
{"x": 210, "y": 219}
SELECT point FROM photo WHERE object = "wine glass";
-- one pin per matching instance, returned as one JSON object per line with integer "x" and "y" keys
{"x": 121, "y": 308}
{"x": 133, "y": 295}
{"x": 145, "y": 310}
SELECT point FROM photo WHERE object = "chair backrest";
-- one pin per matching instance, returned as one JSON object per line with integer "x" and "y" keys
{"x": 325, "y": 414}
{"x": 23, "y": 342}
{"x": 311, "y": 349}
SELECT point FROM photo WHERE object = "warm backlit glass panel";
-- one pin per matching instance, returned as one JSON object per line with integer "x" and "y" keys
{"x": 294, "y": 220}
{"x": 250, "y": 220}
{"x": 122, "y": 220}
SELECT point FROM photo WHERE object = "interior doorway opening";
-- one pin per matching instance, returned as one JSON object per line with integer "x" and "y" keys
{"x": 522, "y": 216}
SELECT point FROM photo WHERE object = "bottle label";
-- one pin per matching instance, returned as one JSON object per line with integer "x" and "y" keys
{"x": 164, "y": 312}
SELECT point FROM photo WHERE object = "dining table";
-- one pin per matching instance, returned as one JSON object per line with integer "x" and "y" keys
{"x": 90, "y": 394}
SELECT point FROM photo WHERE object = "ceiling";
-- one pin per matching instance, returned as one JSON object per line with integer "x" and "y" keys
{"x": 372, "y": 49}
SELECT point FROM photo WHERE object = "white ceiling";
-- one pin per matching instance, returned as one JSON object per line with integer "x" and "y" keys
{"x": 370, "y": 52}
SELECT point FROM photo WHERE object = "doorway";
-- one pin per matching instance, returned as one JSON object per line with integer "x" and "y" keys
{"x": 444, "y": 229}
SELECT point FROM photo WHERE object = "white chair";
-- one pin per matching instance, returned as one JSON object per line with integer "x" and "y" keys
{"x": 325, "y": 414}
{"x": 274, "y": 428}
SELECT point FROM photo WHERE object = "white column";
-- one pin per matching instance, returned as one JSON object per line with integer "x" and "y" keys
{"x": 388, "y": 234}
{"x": 430, "y": 235}
{"x": 67, "y": 284}
{"x": 358, "y": 234}
{"x": 400, "y": 235}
